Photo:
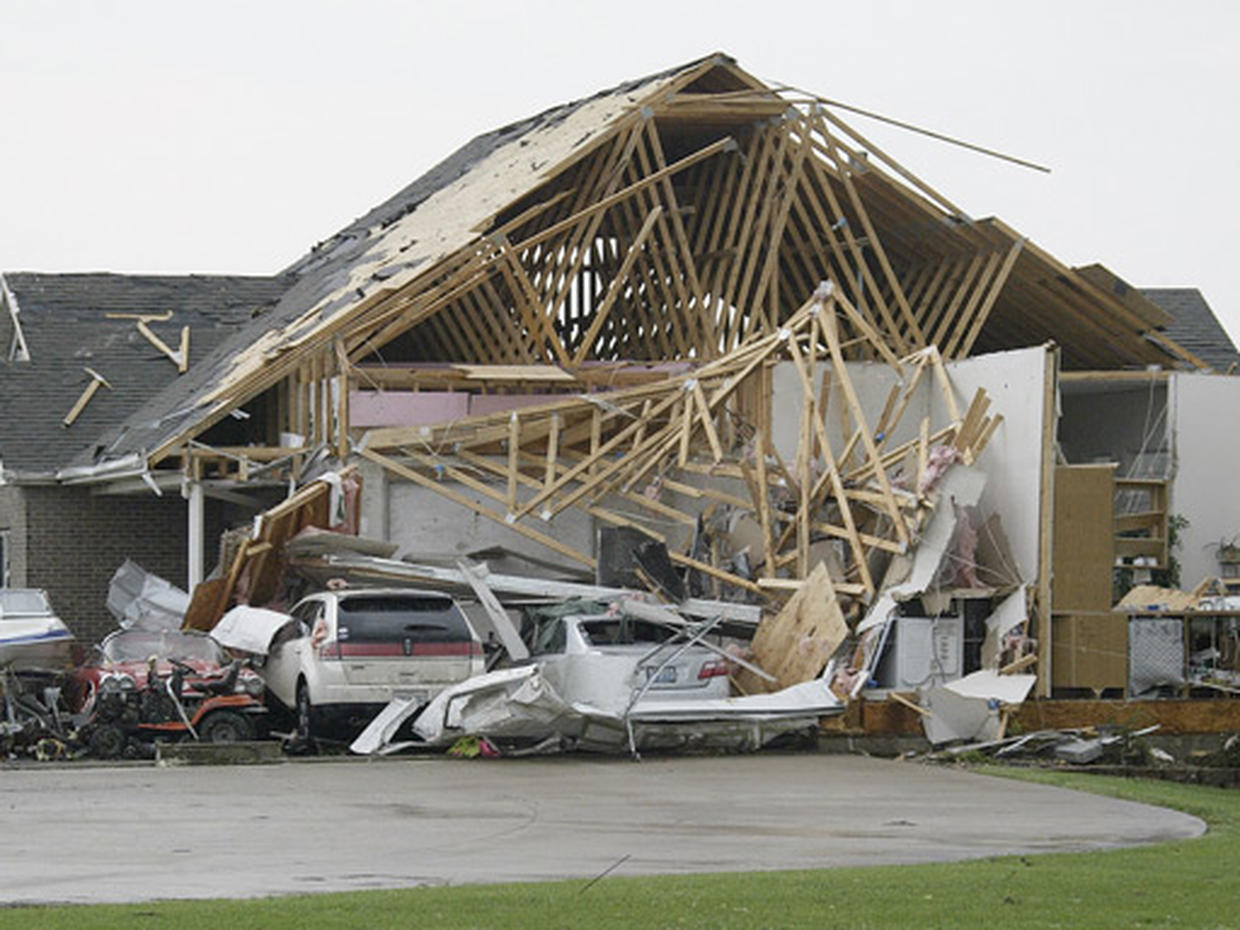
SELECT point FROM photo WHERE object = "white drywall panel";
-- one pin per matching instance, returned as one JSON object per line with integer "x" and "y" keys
{"x": 872, "y": 382}
{"x": 424, "y": 524}
{"x": 1206, "y": 483}
{"x": 1013, "y": 459}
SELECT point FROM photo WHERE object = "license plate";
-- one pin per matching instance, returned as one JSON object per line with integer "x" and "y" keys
{"x": 666, "y": 676}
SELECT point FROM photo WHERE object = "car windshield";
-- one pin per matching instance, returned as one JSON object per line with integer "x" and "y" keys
{"x": 16, "y": 602}
{"x": 140, "y": 645}
{"x": 394, "y": 617}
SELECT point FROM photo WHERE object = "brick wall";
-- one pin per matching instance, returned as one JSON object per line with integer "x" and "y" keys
{"x": 75, "y": 541}
{"x": 13, "y": 525}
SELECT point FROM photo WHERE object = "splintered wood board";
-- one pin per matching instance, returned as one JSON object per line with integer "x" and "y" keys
{"x": 795, "y": 644}
{"x": 513, "y": 373}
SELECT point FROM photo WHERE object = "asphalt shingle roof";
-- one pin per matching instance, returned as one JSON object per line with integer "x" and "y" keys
{"x": 64, "y": 318}
{"x": 1195, "y": 326}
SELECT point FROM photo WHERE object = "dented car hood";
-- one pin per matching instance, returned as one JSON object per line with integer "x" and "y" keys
{"x": 249, "y": 629}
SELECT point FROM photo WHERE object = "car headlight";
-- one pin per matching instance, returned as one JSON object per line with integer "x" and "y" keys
{"x": 251, "y": 685}
{"x": 118, "y": 683}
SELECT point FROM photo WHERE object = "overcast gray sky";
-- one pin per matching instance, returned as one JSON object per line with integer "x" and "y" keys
{"x": 228, "y": 137}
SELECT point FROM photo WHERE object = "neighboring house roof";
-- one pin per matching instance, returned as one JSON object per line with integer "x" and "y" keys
{"x": 1194, "y": 325}
{"x": 70, "y": 323}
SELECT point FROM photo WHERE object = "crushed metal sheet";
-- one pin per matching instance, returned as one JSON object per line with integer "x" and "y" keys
{"x": 140, "y": 600}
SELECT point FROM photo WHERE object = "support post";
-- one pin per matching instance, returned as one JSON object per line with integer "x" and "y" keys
{"x": 195, "y": 498}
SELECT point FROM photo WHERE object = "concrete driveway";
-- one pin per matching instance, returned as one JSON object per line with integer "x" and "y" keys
{"x": 128, "y": 834}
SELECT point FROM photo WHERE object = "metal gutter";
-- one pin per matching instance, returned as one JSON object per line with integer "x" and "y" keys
{"x": 129, "y": 466}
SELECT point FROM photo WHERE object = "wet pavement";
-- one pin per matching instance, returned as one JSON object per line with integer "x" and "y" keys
{"x": 136, "y": 833}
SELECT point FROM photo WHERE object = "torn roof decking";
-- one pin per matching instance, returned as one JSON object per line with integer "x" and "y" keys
{"x": 66, "y": 327}
{"x": 715, "y": 204}
{"x": 381, "y": 251}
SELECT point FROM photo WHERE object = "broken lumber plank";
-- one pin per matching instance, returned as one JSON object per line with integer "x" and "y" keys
{"x": 911, "y": 705}
{"x": 179, "y": 358}
{"x": 88, "y": 392}
{"x": 476, "y": 575}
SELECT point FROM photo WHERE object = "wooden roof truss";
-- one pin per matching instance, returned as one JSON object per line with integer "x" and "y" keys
{"x": 614, "y": 454}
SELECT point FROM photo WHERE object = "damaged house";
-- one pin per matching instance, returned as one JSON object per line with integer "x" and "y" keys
{"x": 698, "y": 334}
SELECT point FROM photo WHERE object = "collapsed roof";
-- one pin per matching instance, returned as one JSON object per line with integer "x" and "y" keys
{"x": 672, "y": 217}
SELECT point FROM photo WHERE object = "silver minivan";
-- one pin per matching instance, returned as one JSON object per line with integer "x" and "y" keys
{"x": 350, "y": 652}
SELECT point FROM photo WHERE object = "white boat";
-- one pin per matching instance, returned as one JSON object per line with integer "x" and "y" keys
{"x": 31, "y": 635}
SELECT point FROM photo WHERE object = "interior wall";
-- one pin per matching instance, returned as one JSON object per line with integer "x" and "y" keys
{"x": 872, "y": 382}
{"x": 1116, "y": 424}
{"x": 425, "y": 524}
{"x": 1204, "y": 487}
{"x": 1012, "y": 460}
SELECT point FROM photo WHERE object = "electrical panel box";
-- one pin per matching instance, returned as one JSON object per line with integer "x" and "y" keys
{"x": 921, "y": 652}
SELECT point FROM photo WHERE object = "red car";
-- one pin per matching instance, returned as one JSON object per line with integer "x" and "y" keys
{"x": 142, "y": 685}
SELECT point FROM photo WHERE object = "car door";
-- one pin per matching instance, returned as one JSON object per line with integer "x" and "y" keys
{"x": 288, "y": 652}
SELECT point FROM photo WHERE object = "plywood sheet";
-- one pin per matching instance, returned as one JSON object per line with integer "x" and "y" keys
{"x": 1083, "y": 537}
{"x": 1089, "y": 650}
{"x": 796, "y": 644}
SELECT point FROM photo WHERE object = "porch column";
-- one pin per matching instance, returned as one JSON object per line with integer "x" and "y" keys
{"x": 195, "y": 534}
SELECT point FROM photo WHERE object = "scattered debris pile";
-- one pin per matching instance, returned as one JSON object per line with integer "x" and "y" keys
{"x": 1077, "y": 746}
{"x": 795, "y": 566}
{"x": 35, "y": 723}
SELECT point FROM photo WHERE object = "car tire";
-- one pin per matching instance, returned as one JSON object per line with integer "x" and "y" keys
{"x": 305, "y": 714}
{"x": 108, "y": 741}
{"x": 226, "y": 726}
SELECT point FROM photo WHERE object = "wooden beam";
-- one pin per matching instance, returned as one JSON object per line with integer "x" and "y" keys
{"x": 1046, "y": 508}
{"x": 179, "y": 358}
{"x": 983, "y": 313}
{"x": 616, "y": 286}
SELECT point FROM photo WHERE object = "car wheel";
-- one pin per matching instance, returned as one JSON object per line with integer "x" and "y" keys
{"x": 108, "y": 742}
{"x": 305, "y": 714}
{"x": 226, "y": 726}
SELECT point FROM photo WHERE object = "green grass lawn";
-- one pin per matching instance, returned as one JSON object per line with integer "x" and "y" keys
{"x": 1192, "y": 883}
